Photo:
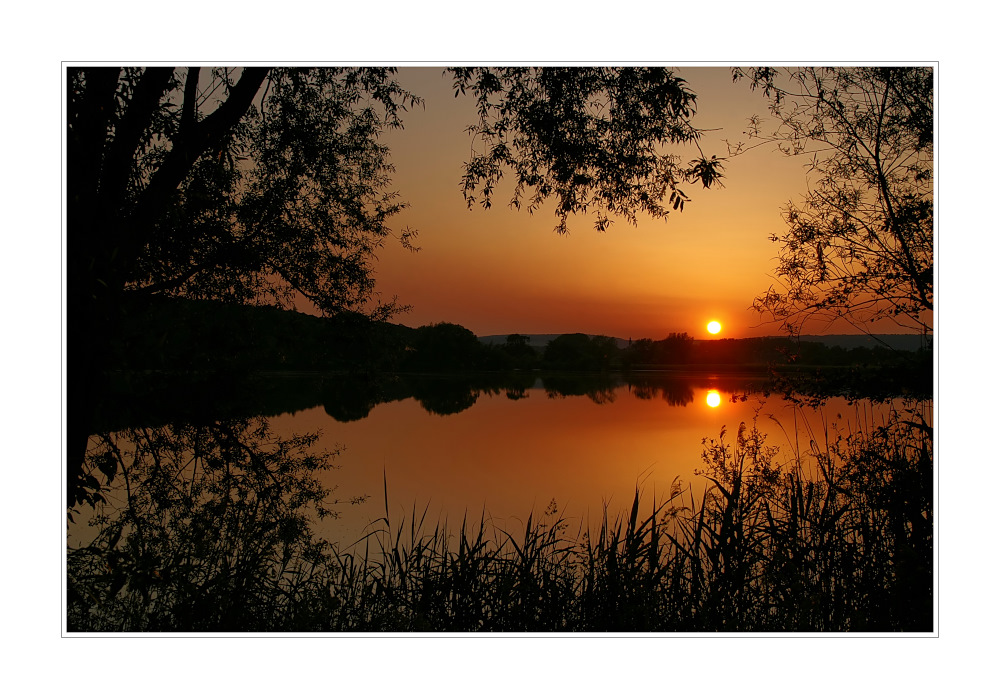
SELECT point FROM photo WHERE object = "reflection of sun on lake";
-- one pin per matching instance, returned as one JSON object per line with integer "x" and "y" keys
{"x": 504, "y": 458}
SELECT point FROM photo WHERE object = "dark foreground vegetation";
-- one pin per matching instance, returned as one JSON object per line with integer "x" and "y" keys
{"x": 210, "y": 529}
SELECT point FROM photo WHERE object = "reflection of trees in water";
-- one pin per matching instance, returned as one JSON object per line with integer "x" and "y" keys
{"x": 447, "y": 398}
{"x": 516, "y": 393}
{"x": 205, "y": 527}
{"x": 599, "y": 388}
{"x": 680, "y": 390}
{"x": 677, "y": 394}
{"x": 673, "y": 391}
{"x": 349, "y": 398}
{"x": 208, "y": 528}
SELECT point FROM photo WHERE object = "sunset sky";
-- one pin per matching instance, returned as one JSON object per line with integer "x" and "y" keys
{"x": 502, "y": 271}
{"x": 676, "y": 270}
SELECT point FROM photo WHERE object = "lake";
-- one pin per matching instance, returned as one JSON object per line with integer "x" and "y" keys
{"x": 210, "y": 522}
{"x": 584, "y": 443}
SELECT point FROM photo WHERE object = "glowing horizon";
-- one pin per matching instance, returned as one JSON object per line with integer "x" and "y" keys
{"x": 500, "y": 271}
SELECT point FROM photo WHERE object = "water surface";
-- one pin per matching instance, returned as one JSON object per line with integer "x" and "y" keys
{"x": 505, "y": 453}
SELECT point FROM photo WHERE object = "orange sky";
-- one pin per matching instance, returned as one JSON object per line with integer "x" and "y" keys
{"x": 502, "y": 271}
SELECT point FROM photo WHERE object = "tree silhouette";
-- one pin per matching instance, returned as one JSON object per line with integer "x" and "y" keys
{"x": 208, "y": 529}
{"x": 518, "y": 353}
{"x": 240, "y": 185}
{"x": 860, "y": 245}
{"x": 578, "y": 352}
{"x": 444, "y": 346}
{"x": 278, "y": 189}
{"x": 257, "y": 185}
{"x": 591, "y": 138}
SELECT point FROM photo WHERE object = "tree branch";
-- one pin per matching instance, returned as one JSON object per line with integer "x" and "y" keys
{"x": 190, "y": 100}
{"x": 191, "y": 146}
{"x": 121, "y": 154}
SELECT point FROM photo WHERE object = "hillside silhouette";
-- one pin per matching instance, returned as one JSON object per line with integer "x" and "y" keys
{"x": 180, "y": 335}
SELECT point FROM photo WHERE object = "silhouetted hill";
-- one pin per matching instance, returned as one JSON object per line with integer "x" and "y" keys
{"x": 181, "y": 335}
{"x": 175, "y": 334}
{"x": 903, "y": 342}
{"x": 540, "y": 342}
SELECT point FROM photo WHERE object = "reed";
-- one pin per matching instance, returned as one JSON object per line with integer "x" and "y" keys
{"x": 836, "y": 537}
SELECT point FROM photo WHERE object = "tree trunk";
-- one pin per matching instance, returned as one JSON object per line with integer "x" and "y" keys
{"x": 107, "y": 225}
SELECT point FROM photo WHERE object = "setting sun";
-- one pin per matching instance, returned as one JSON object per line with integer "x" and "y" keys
{"x": 536, "y": 342}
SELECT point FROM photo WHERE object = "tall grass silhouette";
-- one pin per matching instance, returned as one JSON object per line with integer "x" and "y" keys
{"x": 836, "y": 536}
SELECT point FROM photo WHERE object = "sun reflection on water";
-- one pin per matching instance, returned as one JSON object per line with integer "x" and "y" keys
{"x": 713, "y": 399}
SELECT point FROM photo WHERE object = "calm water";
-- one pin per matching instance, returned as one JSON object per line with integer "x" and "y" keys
{"x": 506, "y": 448}
{"x": 504, "y": 453}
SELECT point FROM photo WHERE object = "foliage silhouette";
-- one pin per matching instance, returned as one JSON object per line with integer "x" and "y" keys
{"x": 259, "y": 185}
{"x": 249, "y": 185}
{"x": 579, "y": 352}
{"x": 673, "y": 390}
{"x": 350, "y": 398}
{"x": 516, "y": 353}
{"x": 591, "y": 138}
{"x": 676, "y": 348}
{"x": 212, "y": 534}
{"x": 445, "y": 395}
{"x": 444, "y": 346}
{"x": 209, "y": 528}
{"x": 180, "y": 335}
{"x": 860, "y": 246}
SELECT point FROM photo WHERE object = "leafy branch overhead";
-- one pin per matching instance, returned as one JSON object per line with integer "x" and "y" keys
{"x": 591, "y": 138}
{"x": 264, "y": 185}
{"x": 249, "y": 185}
{"x": 860, "y": 245}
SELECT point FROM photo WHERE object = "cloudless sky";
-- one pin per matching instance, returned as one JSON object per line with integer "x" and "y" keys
{"x": 500, "y": 271}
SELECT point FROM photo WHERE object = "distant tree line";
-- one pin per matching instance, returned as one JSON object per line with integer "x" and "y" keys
{"x": 182, "y": 335}
{"x": 756, "y": 351}
{"x": 206, "y": 336}
{"x": 173, "y": 334}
